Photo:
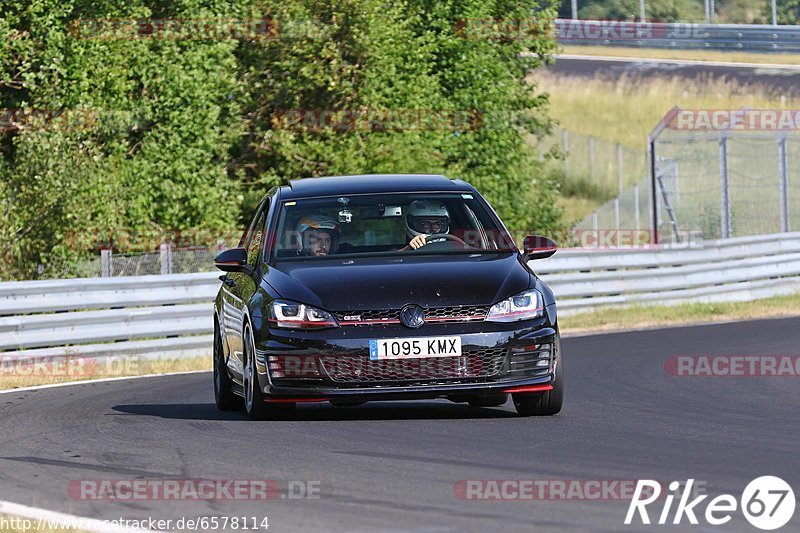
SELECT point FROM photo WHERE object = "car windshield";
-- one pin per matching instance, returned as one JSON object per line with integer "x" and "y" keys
{"x": 385, "y": 224}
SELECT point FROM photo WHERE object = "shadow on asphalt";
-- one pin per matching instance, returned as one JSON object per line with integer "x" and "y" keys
{"x": 373, "y": 411}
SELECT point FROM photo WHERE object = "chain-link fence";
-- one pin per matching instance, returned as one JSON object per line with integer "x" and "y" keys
{"x": 167, "y": 260}
{"x": 720, "y": 181}
{"x": 592, "y": 167}
{"x": 628, "y": 212}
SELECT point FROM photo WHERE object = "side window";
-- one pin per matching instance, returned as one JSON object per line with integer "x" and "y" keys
{"x": 256, "y": 237}
{"x": 248, "y": 230}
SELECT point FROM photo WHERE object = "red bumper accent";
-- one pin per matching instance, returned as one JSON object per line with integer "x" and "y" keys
{"x": 296, "y": 400}
{"x": 530, "y": 388}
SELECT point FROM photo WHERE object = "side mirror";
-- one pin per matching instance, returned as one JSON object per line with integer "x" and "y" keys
{"x": 233, "y": 260}
{"x": 538, "y": 247}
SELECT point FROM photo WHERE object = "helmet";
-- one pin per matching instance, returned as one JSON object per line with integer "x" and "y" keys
{"x": 426, "y": 209}
{"x": 317, "y": 223}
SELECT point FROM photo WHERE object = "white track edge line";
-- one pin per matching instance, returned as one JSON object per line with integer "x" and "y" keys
{"x": 99, "y": 380}
{"x": 82, "y": 523}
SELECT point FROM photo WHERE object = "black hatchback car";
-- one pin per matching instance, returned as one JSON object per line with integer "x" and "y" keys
{"x": 384, "y": 287}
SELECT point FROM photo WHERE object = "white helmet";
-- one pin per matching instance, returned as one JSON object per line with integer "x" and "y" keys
{"x": 317, "y": 223}
{"x": 422, "y": 209}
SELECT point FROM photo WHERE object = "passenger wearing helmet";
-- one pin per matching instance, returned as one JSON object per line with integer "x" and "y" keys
{"x": 318, "y": 235}
{"x": 425, "y": 218}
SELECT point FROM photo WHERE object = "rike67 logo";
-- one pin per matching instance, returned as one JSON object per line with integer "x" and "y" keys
{"x": 767, "y": 503}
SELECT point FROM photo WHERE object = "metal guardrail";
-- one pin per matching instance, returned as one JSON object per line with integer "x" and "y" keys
{"x": 170, "y": 316}
{"x": 167, "y": 316}
{"x": 737, "y": 269}
{"x": 750, "y": 37}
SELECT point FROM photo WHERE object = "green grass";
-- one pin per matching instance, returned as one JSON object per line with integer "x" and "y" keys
{"x": 644, "y": 317}
{"x": 576, "y": 208}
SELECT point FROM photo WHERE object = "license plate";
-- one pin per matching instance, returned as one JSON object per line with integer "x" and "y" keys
{"x": 414, "y": 348}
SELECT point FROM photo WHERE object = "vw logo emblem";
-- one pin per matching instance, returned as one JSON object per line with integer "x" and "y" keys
{"x": 412, "y": 316}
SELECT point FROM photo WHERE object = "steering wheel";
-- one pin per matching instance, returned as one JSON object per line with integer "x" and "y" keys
{"x": 447, "y": 236}
{"x": 436, "y": 236}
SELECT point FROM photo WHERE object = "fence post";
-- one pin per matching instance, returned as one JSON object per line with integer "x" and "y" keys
{"x": 783, "y": 166}
{"x": 616, "y": 219}
{"x": 165, "y": 255}
{"x": 725, "y": 204}
{"x": 651, "y": 183}
{"x": 105, "y": 263}
{"x": 591, "y": 158}
{"x": 636, "y": 205}
{"x": 574, "y": 9}
{"x": 619, "y": 168}
{"x": 565, "y": 149}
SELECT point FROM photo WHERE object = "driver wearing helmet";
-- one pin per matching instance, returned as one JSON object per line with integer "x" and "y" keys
{"x": 318, "y": 235}
{"x": 426, "y": 218}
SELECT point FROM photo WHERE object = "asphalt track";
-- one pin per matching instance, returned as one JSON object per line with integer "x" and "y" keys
{"x": 781, "y": 80}
{"x": 393, "y": 466}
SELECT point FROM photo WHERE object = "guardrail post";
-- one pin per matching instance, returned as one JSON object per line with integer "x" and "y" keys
{"x": 783, "y": 168}
{"x": 725, "y": 204}
{"x": 165, "y": 255}
{"x": 105, "y": 263}
{"x": 774, "y": 14}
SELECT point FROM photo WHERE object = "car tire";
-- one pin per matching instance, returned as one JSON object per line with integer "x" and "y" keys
{"x": 488, "y": 400}
{"x": 542, "y": 403}
{"x": 224, "y": 396}
{"x": 254, "y": 398}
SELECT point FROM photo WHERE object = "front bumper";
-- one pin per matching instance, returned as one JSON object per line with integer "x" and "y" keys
{"x": 497, "y": 357}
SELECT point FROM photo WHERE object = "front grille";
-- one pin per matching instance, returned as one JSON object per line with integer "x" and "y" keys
{"x": 474, "y": 363}
{"x": 456, "y": 313}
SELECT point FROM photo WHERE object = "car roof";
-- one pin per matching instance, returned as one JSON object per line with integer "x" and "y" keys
{"x": 371, "y": 183}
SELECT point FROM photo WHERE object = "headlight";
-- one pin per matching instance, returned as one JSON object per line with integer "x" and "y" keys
{"x": 523, "y": 306}
{"x": 292, "y": 315}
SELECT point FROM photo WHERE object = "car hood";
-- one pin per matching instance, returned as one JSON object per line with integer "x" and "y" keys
{"x": 358, "y": 284}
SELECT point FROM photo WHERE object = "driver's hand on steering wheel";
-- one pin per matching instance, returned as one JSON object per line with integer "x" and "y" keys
{"x": 418, "y": 242}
